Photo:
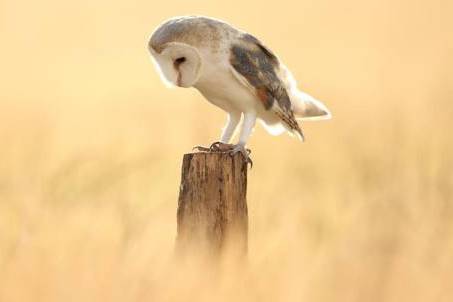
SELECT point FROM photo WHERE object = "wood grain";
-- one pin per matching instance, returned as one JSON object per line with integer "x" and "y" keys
{"x": 212, "y": 207}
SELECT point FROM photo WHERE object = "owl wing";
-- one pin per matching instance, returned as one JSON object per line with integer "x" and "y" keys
{"x": 256, "y": 66}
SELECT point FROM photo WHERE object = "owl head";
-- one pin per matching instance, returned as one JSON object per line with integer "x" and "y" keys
{"x": 179, "y": 63}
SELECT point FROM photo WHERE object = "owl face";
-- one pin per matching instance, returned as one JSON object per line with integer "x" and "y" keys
{"x": 179, "y": 64}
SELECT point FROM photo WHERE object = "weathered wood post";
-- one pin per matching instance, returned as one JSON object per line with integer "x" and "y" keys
{"x": 212, "y": 207}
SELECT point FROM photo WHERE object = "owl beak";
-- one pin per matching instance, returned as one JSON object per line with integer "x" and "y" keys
{"x": 176, "y": 64}
{"x": 179, "y": 79}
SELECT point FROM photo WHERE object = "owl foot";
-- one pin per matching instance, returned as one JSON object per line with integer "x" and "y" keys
{"x": 230, "y": 148}
{"x": 201, "y": 148}
{"x": 215, "y": 147}
{"x": 245, "y": 152}
{"x": 221, "y": 147}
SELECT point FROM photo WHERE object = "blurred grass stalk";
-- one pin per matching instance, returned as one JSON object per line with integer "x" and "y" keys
{"x": 91, "y": 145}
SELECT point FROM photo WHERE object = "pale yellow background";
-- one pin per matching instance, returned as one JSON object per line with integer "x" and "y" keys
{"x": 91, "y": 144}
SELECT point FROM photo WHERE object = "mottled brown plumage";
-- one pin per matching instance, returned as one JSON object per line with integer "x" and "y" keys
{"x": 234, "y": 71}
{"x": 259, "y": 66}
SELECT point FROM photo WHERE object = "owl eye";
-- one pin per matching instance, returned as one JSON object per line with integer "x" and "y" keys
{"x": 179, "y": 61}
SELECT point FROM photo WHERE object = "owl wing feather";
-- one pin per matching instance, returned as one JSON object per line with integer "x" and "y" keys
{"x": 255, "y": 66}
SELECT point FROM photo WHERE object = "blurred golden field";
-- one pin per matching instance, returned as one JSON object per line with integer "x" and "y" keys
{"x": 92, "y": 142}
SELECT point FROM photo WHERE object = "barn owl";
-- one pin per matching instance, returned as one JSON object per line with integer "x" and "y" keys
{"x": 236, "y": 72}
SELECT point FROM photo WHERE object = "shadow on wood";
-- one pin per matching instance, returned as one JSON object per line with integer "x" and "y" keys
{"x": 212, "y": 207}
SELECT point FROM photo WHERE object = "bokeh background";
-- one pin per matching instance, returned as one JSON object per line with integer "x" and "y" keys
{"x": 91, "y": 144}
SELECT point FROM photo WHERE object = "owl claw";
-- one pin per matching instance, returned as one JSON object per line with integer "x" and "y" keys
{"x": 245, "y": 152}
{"x": 215, "y": 147}
{"x": 201, "y": 148}
{"x": 221, "y": 147}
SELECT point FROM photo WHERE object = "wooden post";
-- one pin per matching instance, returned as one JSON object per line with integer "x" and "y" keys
{"x": 212, "y": 206}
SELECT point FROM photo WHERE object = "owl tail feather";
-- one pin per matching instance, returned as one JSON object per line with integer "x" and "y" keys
{"x": 306, "y": 107}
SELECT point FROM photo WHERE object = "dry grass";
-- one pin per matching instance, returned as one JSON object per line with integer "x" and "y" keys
{"x": 91, "y": 146}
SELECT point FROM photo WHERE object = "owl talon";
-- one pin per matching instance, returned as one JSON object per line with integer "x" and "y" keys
{"x": 215, "y": 147}
{"x": 201, "y": 148}
{"x": 245, "y": 152}
{"x": 221, "y": 147}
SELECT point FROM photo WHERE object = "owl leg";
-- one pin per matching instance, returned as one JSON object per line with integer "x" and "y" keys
{"x": 246, "y": 131}
{"x": 232, "y": 123}
{"x": 227, "y": 132}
